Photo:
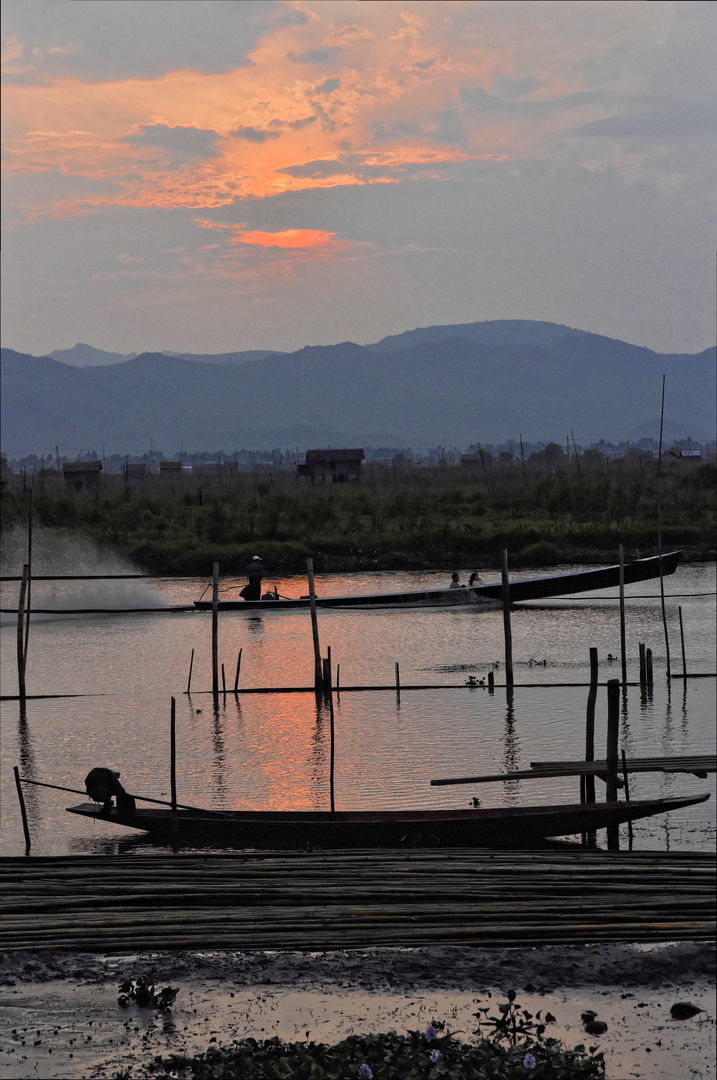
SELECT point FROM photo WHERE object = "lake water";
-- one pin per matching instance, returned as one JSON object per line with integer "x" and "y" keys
{"x": 271, "y": 751}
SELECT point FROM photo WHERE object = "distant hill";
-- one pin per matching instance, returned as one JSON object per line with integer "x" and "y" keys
{"x": 470, "y": 383}
{"x": 81, "y": 355}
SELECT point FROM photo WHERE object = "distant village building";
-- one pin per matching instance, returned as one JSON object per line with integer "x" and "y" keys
{"x": 340, "y": 466}
{"x": 170, "y": 469}
{"x": 135, "y": 471}
{"x": 215, "y": 469}
{"x": 82, "y": 474}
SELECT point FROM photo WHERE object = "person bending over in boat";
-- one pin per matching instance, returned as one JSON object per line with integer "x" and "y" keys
{"x": 254, "y": 574}
{"x": 102, "y": 784}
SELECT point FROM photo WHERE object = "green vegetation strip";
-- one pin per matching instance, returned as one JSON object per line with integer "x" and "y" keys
{"x": 394, "y": 519}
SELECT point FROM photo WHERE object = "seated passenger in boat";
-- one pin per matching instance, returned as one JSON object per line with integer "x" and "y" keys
{"x": 254, "y": 574}
{"x": 456, "y": 582}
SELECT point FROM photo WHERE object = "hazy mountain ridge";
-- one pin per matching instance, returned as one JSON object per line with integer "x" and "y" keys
{"x": 477, "y": 382}
{"x": 81, "y": 355}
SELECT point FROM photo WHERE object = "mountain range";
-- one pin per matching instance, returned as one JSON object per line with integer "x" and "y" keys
{"x": 465, "y": 384}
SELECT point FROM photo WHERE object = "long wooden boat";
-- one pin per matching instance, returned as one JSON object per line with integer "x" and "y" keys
{"x": 487, "y": 596}
{"x": 500, "y": 827}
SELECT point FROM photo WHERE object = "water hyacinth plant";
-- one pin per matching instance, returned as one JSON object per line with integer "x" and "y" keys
{"x": 514, "y": 1050}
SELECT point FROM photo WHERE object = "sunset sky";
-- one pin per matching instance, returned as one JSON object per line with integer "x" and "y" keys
{"x": 214, "y": 175}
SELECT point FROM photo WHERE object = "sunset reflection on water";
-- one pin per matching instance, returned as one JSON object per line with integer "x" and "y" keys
{"x": 259, "y": 750}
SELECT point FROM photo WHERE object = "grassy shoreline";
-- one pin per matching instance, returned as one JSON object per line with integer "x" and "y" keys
{"x": 440, "y": 519}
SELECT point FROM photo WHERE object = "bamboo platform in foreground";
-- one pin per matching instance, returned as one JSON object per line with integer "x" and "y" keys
{"x": 358, "y": 899}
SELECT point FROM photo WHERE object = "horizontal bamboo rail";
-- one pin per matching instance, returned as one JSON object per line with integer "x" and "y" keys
{"x": 354, "y": 899}
{"x": 698, "y": 765}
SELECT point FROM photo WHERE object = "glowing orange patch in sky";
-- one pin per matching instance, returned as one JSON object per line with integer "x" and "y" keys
{"x": 287, "y": 238}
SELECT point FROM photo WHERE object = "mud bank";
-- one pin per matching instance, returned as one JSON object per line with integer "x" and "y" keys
{"x": 60, "y": 1015}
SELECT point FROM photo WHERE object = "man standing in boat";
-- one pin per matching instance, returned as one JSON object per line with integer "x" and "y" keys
{"x": 254, "y": 574}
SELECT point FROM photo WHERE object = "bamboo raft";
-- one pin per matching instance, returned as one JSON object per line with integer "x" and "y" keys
{"x": 357, "y": 899}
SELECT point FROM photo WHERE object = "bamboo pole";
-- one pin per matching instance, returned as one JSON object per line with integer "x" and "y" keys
{"x": 236, "y": 677}
{"x": 648, "y": 667}
{"x": 332, "y": 734}
{"x": 173, "y": 756}
{"x": 29, "y": 585}
{"x": 682, "y": 644}
{"x": 626, "y": 784}
{"x": 506, "y": 619}
{"x": 590, "y": 724}
{"x": 23, "y": 811}
{"x": 314, "y": 626}
{"x": 398, "y": 684}
{"x": 191, "y": 664}
{"x": 623, "y": 647}
{"x": 613, "y": 727}
{"x": 21, "y": 634}
{"x": 224, "y": 682}
{"x": 659, "y": 532}
{"x": 643, "y": 666}
{"x": 215, "y": 628}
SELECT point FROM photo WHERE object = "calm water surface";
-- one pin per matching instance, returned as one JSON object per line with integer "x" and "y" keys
{"x": 270, "y": 751}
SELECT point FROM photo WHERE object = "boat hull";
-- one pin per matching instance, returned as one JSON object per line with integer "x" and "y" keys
{"x": 499, "y": 827}
{"x": 483, "y": 596}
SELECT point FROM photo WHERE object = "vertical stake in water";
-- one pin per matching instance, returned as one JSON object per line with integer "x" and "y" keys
{"x": 23, "y": 811}
{"x": 506, "y": 620}
{"x": 215, "y": 629}
{"x": 590, "y": 725}
{"x": 643, "y": 666}
{"x": 173, "y": 756}
{"x": 318, "y": 679}
{"x": 659, "y": 531}
{"x": 236, "y": 677}
{"x": 331, "y": 733}
{"x": 191, "y": 665}
{"x": 682, "y": 643}
{"x": 622, "y": 616}
{"x": 627, "y": 796}
{"x": 613, "y": 729}
{"x": 29, "y": 584}
{"x": 398, "y": 684}
{"x": 21, "y": 634}
{"x": 587, "y": 787}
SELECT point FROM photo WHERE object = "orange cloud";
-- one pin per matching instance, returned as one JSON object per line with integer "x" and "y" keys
{"x": 287, "y": 238}
{"x": 348, "y": 82}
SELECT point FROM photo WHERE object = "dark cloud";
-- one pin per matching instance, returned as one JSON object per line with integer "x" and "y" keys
{"x": 256, "y": 135}
{"x": 509, "y": 87}
{"x": 328, "y": 86}
{"x": 101, "y": 42}
{"x": 483, "y": 102}
{"x": 317, "y": 56}
{"x": 399, "y": 131}
{"x": 178, "y": 143}
{"x": 655, "y": 120}
{"x": 449, "y": 127}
